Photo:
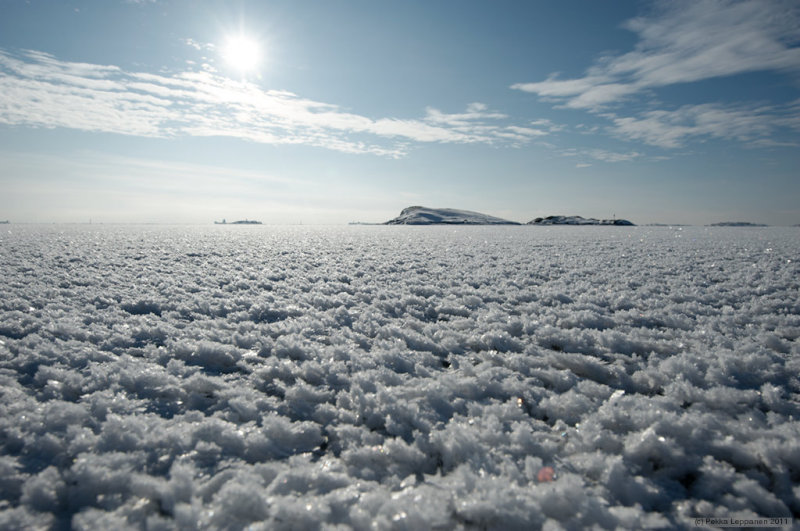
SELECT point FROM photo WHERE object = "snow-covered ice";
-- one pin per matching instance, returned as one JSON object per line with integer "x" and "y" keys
{"x": 390, "y": 377}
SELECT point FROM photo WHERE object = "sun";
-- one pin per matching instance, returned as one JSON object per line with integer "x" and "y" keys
{"x": 242, "y": 53}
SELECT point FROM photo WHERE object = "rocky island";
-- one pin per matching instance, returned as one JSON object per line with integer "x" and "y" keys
{"x": 577, "y": 220}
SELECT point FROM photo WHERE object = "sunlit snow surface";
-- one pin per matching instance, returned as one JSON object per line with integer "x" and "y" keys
{"x": 398, "y": 377}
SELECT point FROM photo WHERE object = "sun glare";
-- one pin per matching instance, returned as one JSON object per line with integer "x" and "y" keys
{"x": 242, "y": 53}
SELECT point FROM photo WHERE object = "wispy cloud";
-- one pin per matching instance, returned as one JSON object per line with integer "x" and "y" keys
{"x": 683, "y": 42}
{"x": 476, "y": 120}
{"x": 601, "y": 155}
{"x": 40, "y": 90}
{"x": 199, "y": 46}
{"x": 754, "y": 125}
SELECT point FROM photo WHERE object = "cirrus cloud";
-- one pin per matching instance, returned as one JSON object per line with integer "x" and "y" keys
{"x": 685, "y": 42}
{"x": 753, "y": 125}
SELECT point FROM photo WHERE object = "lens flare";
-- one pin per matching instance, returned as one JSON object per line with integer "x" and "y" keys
{"x": 242, "y": 53}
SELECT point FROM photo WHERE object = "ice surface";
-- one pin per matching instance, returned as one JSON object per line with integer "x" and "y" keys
{"x": 397, "y": 377}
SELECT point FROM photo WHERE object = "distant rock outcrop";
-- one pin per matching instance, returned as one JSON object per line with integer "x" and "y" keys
{"x": 736, "y": 224}
{"x": 577, "y": 220}
{"x": 240, "y": 222}
{"x": 418, "y": 215}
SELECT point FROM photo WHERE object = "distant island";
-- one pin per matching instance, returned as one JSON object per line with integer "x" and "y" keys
{"x": 577, "y": 220}
{"x": 419, "y": 215}
{"x": 736, "y": 224}
{"x": 240, "y": 222}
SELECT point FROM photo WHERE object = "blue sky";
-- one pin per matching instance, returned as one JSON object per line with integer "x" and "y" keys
{"x": 352, "y": 110}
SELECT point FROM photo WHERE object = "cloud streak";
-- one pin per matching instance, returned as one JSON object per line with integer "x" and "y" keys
{"x": 40, "y": 90}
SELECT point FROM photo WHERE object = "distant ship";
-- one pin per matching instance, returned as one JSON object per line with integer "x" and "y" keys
{"x": 240, "y": 222}
{"x": 6, "y": 222}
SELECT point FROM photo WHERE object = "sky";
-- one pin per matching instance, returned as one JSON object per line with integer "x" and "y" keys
{"x": 326, "y": 112}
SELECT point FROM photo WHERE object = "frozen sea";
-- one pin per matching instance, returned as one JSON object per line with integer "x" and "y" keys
{"x": 373, "y": 377}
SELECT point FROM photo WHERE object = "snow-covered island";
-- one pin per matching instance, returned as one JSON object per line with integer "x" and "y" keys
{"x": 419, "y": 215}
{"x": 577, "y": 220}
